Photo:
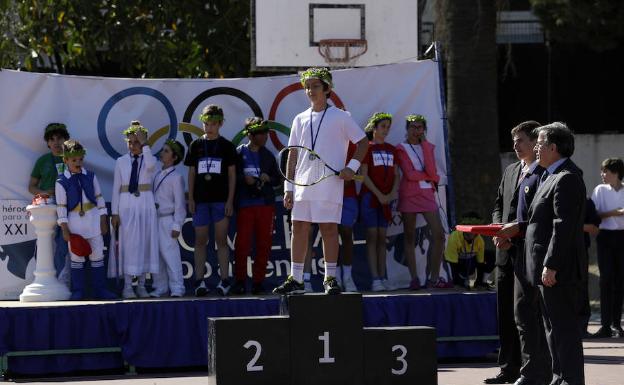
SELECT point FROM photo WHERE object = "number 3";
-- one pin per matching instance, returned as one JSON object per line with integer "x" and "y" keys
{"x": 401, "y": 359}
{"x": 251, "y": 365}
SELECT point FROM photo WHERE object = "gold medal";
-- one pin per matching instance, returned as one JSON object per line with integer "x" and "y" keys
{"x": 81, "y": 213}
{"x": 137, "y": 193}
{"x": 526, "y": 189}
{"x": 207, "y": 177}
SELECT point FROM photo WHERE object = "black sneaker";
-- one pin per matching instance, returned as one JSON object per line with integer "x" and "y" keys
{"x": 617, "y": 331}
{"x": 257, "y": 288}
{"x": 480, "y": 285}
{"x": 223, "y": 288}
{"x": 238, "y": 288}
{"x": 331, "y": 286}
{"x": 290, "y": 286}
{"x": 200, "y": 289}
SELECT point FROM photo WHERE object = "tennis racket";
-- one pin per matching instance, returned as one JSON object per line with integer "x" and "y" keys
{"x": 303, "y": 167}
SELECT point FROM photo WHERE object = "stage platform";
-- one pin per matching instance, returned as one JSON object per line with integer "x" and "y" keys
{"x": 171, "y": 333}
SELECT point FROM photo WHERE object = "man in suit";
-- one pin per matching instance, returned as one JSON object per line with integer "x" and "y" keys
{"x": 505, "y": 208}
{"x": 554, "y": 251}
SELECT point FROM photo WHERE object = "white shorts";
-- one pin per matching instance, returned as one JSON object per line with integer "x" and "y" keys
{"x": 317, "y": 211}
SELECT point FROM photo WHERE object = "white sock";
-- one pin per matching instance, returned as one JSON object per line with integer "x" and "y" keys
{"x": 297, "y": 271}
{"x": 307, "y": 276}
{"x": 346, "y": 271}
{"x": 330, "y": 269}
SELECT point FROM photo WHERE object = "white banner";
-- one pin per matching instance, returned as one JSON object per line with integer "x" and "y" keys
{"x": 96, "y": 110}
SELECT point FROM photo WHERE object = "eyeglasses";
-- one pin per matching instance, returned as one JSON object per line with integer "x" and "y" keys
{"x": 539, "y": 144}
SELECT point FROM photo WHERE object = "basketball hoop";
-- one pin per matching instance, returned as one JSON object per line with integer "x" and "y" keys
{"x": 342, "y": 52}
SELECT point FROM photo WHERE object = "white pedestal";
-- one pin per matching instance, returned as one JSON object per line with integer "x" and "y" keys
{"x": 45, "y": 287}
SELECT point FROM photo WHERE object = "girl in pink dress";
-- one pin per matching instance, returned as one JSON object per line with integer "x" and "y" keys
{"x": 416, "y": 196}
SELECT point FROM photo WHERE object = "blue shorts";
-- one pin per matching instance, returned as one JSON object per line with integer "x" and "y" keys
{"x": 371, "y": 216}
{"x": 206, "y": 213}
{"x": 349, "y": 211}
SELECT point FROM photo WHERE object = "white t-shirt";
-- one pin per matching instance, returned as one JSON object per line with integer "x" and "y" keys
{"x": 337, "y": 129}
{"x": 606, "y": 199}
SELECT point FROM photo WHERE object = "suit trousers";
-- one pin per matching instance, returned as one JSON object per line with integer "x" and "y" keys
{"x": 611, "y": 266}
{"x": 560, "y": 313}
{"x": 509, "y": 354}
{"x": 528, "y": 315}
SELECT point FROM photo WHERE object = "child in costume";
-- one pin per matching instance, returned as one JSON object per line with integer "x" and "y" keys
{"x": 212, "y": 180}
{"x": 134, "y": 212}
{"x": 42, "y": 181}
{"x": 381, "y": 183}
{"x": 168, "y": 190}
{"x": 81, "y": 210}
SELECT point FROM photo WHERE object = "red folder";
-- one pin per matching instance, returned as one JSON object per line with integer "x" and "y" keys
{"x": 487, "y": 230}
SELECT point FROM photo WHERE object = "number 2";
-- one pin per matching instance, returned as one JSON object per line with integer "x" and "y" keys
{"x": 401, "y": 359}
{"x": 251, "y": 365}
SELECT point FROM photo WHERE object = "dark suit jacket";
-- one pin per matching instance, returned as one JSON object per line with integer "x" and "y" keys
{"x": 554, "y": 232}
{"x": 505, "y": 205}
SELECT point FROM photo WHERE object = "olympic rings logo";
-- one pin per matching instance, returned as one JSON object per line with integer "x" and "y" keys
{"x": 189, "y": 130}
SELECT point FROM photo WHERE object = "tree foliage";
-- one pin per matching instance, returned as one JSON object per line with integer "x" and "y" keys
{"x": 133, "y": 38}
{"x": 597, "y": 24}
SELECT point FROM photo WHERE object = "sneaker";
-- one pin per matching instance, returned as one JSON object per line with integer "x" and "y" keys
{"x": 201, "y": 289}
{"x": 238, "y": 288}
{"x": 257, "y": 288}
{"x": 307, "y": 285}
{"x": 331, "y": 286}
{"x": 290, "y": 286}
{"x": 439, "y": 284}
{"x": 387, "y": 284}
{"x": 157, "y": 294}
{"x": 224, "y": 287}
{"x": 480, "y": 285}
{"x": 142, "y": 292}
{"x": 135, "y": 280}
{"x": 415, "y": 284}
{"x": 128, "y": 293}
{"x": 617, "y": 331}
{"x": 348, "y": 284}
{"x": 377, "y": 285}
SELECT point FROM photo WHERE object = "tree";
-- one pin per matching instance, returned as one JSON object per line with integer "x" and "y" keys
{"x": 467, "y": 30}
{"x": 597, "y": 24}
{"x": 133, "y": 38}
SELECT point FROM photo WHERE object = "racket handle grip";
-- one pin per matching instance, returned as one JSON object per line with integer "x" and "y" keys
{"x": 359, "y": 178}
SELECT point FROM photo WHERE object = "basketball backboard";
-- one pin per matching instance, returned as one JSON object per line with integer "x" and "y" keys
{"x": 286, "y": 33}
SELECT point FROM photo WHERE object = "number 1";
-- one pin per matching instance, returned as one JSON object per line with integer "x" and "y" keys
{"x": 326, "y": 359}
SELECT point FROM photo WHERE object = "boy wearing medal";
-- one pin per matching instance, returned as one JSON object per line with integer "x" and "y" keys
{"x": 42, "y": 181}
{"x": 257, "y": 175}
{"x": 81, "y": 210}
{"x": 168, "y": 191}
{"x": 328, "y": 131}
{"x": 211, "y": 160}
{"x": 380, "y": 189}
{"x": 134, "y": 212}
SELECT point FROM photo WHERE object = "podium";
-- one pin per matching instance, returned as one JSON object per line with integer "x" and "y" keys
{"x": 320, "y": 339}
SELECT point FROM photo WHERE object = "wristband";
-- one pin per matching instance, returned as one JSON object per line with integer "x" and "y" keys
{"x": 288, "y": 186}
{"x": 354, "y": 165}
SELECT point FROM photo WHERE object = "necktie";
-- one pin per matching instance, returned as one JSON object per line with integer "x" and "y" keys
{"x": 543, "y": 177}
{"x": 134, "y": 176}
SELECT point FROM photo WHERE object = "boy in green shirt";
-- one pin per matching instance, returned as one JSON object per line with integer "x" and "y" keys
{"x": 42, "y": 181}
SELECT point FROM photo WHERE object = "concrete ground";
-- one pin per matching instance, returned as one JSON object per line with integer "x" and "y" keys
{"x": 604, "y": 365}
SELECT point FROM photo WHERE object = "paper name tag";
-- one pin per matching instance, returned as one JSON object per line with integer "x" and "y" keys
{"x": 209, "y": 165}
{"x": 424, "y": 184}
{"x": 382, "y": 158}
{"x": 251, "y": 171}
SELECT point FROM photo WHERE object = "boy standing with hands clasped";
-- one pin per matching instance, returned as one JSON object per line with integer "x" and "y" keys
{"x": 168, "y": 190}
{"x": 82, "y": 211}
